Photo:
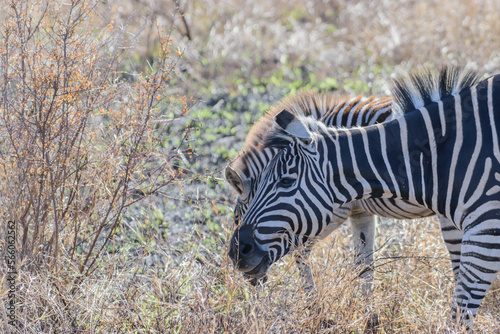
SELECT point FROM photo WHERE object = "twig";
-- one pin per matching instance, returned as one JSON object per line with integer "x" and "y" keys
{"x": 183, "y": 18}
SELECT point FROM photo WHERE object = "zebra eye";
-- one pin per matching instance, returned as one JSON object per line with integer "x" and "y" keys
{"x": 286, "y": 182}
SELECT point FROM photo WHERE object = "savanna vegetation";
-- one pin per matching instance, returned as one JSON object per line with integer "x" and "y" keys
{"x": 117, "y": 119}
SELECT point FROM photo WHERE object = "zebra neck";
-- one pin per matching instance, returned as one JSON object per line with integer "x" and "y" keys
{"x": 388, "y": 160}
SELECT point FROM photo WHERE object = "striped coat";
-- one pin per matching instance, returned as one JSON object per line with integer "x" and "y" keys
{"x": 442, "y": 153}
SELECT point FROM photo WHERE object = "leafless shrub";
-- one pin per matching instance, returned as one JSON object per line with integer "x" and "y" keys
{"x": 78, "y": 143}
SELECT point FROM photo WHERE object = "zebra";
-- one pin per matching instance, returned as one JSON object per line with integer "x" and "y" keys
{"x": 431, "y": 163}
{"x": 332, "y": 110}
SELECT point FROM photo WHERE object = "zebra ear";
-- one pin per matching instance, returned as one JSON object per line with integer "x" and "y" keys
{"x": 293, "y": 126}
{"x": 234, "y": 180}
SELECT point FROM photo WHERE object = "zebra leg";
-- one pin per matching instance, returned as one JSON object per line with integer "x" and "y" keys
{"x": 363, "y": 229}
{"x": 479, "y": 266}
{"x": 453, "y": 240}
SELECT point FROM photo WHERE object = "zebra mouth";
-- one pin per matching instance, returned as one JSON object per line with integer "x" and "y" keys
{"x": 259, "y": 271}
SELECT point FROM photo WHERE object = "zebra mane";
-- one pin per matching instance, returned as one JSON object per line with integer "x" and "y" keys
{"x": 304, "y": 103}
{"x": 416, "y": 90}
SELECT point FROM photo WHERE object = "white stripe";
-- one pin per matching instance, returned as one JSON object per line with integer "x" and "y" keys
{"x": 456, "y": 151}
{"x": 377, "y": 115}
{"x": 423, "y": 179}
{"x": 340, "y": 113}
{"x": 493, "y": 190}
{"x": 362, "y": 114}
{"x": 442, "y": 117}
{"x": 353, "y": 109}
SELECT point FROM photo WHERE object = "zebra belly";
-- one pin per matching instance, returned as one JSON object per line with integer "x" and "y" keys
{"x": 391, "y": 208}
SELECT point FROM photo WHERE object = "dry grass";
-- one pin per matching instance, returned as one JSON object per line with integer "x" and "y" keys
{"x": 198, "y": 291}
{"x": 139, "y": 270}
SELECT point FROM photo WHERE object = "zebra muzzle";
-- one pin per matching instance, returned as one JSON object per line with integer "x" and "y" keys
{"x": 246, "y": 254}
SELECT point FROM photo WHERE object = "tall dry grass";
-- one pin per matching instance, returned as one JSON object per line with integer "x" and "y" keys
{"x": 199, "y": 291}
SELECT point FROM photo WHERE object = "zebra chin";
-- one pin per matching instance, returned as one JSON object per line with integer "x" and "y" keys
{"x": 259, "y": 273}
{"x": 254, "y": 272}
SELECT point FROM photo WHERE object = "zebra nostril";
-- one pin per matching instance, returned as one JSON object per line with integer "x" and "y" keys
{"x": 246, "y": 249}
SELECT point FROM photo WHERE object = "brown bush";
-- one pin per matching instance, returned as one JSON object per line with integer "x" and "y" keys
{"x": 79, "y": 143}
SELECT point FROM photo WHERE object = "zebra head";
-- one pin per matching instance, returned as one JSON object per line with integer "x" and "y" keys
{"x": 292, "y": 202}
